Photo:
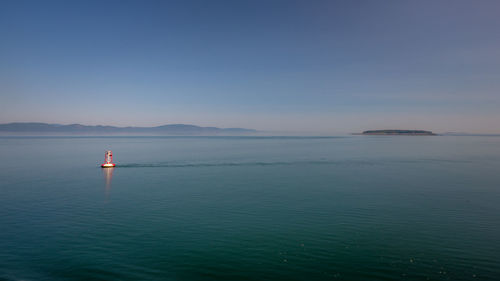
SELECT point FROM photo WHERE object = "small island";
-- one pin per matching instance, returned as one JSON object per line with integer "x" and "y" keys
{"x": 399, "y": 132}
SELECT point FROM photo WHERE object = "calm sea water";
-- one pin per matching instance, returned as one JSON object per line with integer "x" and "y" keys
{"x": 250, "y": 208}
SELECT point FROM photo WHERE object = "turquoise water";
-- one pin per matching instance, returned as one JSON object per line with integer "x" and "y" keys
{"x": 250, "y": 208}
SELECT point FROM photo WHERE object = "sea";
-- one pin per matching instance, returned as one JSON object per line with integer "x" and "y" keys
{"x": 250, "y": 208}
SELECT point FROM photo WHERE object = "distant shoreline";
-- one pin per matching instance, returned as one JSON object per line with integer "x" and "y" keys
{"x": 398, "y": 133}
{"x": 78, "y": 129}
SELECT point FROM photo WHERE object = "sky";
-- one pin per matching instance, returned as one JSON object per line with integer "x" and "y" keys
{"x": 312, "y": 67}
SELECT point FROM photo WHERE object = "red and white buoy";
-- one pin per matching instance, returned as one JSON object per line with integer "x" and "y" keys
{"x": 108, "y": 160}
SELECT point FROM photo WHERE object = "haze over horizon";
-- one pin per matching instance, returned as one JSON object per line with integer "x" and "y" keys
{"x": 304, "y": 66}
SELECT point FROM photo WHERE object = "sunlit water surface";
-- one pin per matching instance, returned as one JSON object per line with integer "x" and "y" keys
{"x": 250, "y": 208}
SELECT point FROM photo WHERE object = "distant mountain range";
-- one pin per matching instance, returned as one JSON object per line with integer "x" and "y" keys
{"x": 78, "y": 129}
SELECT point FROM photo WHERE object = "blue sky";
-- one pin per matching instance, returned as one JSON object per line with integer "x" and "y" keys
{"x": 323, "y": 67}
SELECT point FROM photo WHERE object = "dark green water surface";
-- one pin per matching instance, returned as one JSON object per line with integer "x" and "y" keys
{"x": 250, "y": 208}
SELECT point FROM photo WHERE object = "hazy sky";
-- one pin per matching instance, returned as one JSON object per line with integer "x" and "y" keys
{"x": 304, "y": 66}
